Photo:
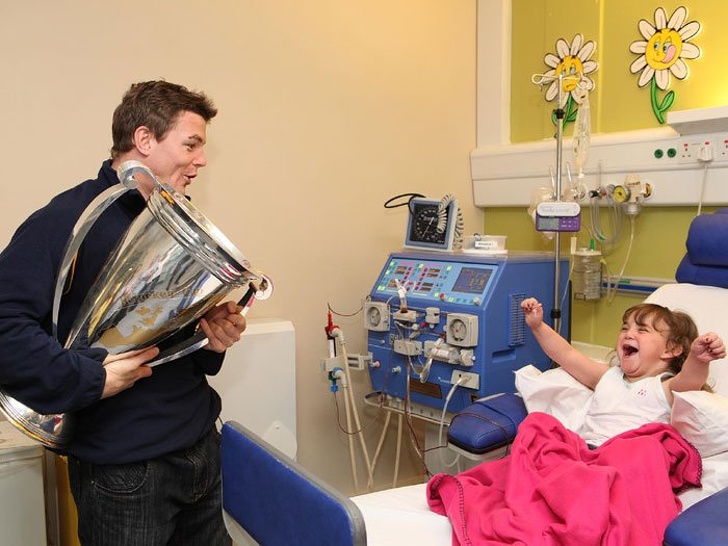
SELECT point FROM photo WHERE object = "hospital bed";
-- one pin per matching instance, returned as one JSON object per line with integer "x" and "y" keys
{"x": 269, "y": 498}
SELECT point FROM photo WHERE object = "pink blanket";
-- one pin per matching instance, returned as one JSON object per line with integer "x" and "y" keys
{"x": 553, "y": 490}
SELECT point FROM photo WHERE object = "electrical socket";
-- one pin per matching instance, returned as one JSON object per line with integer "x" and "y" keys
{"x": 470, "y": 380}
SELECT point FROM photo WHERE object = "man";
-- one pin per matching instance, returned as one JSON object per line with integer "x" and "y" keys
{"x": 144, "y": 457}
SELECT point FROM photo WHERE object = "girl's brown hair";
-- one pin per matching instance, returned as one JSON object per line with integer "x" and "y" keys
{"x": 682, "y": 328}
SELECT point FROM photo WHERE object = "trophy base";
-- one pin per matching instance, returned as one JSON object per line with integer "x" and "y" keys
{"x": 52, "y": 431}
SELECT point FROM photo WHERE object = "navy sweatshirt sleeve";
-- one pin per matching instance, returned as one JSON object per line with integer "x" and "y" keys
{"x": 34, "y": 367}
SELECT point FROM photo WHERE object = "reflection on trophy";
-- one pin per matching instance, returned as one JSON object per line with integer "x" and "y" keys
{"x": 171, "y": 266}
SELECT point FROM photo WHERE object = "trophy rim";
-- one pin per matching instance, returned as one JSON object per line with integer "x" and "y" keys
{"x": 237, "y": 268}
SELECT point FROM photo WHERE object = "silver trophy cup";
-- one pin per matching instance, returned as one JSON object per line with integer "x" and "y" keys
{"x": 170, "y": 267}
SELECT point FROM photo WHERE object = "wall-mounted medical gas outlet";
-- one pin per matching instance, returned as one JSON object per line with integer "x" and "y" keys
{"x": 469, "y": 380}
{"x": 461, "y": 329}
{"x": 633, "y": 190}
{"x": 376, "y": 316}
{"x": 507, "y": 175}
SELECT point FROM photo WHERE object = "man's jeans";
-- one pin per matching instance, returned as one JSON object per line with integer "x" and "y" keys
{"x": 171, "y": 500}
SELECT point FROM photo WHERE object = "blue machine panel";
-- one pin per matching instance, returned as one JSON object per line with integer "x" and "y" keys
{"x": 433, "y": 318}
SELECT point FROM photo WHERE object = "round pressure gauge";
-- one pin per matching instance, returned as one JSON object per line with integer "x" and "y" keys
{"x": 620, "y": 194}
{"x": 424, "y": 224}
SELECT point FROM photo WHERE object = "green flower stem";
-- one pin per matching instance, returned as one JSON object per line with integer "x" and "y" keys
{"x": 663, "y": 105}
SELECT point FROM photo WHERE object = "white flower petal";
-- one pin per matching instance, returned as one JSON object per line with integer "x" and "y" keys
{"x": 588, "y": 83}
{"x": 690, "y": 30}
{"x": 646, "y": 76}
{"x": 689, "y": 51}
{"x": 576, "y": 44}
{"x": 562, "y": 48}
{"x": 589, "y": 67}
{"x": 578, "y": 95}
{"x": 679, "y": 69}
{"x": 551, "y": 60}
{"x": 638, "y": 47}
{"x": 646, "y": 29}
{"x": 678, "y": 18}
{"x": 660, "y": 18}
{"x": 638, "y": 64}
{"x": 587, "y": 51}
{"x": 552, "y": 91}
{"x": 662, "y": 77}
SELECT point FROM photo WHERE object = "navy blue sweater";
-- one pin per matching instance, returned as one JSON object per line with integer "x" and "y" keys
{"x": 168, "y": 411}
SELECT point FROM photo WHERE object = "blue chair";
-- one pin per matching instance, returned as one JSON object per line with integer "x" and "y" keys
{"x": 288, "y": 506}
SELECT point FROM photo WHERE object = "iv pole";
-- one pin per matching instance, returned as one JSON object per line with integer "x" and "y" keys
{"x": 539, "y": 79}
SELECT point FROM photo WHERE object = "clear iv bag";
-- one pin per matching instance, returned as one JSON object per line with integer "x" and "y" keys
{"x": 582, "y": 134}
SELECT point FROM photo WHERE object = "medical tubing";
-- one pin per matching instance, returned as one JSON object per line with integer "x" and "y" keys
{"x": 338, "y": 333}
{"x": 340, "y": 374}
{"x": 385, "y": 429}
{"x": 702, "y": 188}
{"x": 449, "y": 396}
{"x": 459, "y": 228}
{"x": 615, "y": 216}
{"x": 398, "y": 452}
{"x": 615, "y": 285}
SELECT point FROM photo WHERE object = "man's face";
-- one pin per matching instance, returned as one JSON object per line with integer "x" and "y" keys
{"x": 176, "y": 158}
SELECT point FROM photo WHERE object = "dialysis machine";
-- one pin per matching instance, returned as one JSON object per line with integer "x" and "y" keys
{"x": 436, "y": 320}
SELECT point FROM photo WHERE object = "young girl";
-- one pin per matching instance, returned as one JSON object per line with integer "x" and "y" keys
{"x": 659, "y": 352}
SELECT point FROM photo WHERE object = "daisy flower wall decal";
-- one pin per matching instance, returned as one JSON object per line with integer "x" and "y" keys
{"x": 662, "y": 53}
{"x": 572, "y": 61}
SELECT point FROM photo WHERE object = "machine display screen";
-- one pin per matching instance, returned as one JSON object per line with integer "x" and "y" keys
{"x": 472, "y": 280}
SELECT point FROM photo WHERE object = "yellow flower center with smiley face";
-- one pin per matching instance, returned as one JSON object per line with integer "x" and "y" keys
{"x": 571, "y": 70}
{"x": 663, "y": 49}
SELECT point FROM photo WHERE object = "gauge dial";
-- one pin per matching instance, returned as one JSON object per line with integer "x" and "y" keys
{"x": 424, "y": 224}
{"x": 620, "y": 194}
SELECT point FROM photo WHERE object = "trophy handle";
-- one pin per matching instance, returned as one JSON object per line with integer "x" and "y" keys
{"x": 199, "y": 339}
{"x": 125, "y": 173}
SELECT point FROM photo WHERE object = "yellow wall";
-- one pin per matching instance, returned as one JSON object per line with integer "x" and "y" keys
{"x": 617, "y": 104}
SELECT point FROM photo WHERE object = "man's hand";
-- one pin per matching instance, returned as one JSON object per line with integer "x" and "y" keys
{"x": 222, "y": 326}
{"x": 125, "y": 369}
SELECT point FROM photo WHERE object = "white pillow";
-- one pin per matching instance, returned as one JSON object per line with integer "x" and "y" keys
{"x": 554, "y": 392}
{"x": 702, "y": 418}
